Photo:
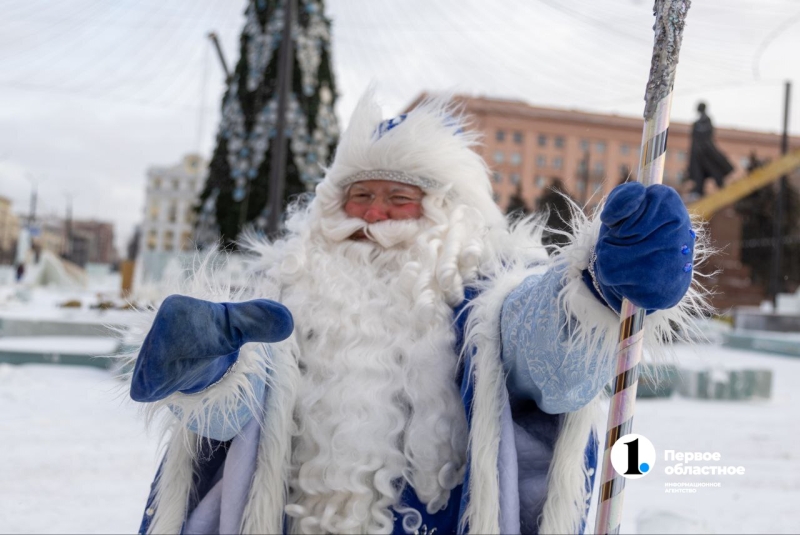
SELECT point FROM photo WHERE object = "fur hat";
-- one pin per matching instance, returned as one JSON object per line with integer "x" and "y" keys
{"x": 429, "y": 147}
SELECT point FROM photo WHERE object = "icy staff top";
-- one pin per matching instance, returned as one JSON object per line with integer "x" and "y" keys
{"x": 670, "y": 20}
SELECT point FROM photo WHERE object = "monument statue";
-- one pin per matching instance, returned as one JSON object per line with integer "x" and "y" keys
{"x": 705, "y": 159}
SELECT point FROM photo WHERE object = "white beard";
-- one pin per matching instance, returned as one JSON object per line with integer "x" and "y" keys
{"x": 378, "y": 406}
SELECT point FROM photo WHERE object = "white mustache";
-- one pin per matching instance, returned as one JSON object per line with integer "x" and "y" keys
{"x": 387, "y": 234}
{"x": 391, "y": 233}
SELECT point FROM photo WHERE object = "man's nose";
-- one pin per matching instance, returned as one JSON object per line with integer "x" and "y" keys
{"x": 377, "y": 211}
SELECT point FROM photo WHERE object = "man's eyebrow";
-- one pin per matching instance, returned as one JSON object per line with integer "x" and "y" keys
{"x": 405, "y": 189}
{"x": 358, "y": 187}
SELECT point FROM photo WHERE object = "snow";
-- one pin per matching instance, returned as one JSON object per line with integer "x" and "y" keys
{"x": 63, "y": 345}
{"x": 762, "y": 436}
{"x": 42, "y": 304}
{"x": 76, "y": 457}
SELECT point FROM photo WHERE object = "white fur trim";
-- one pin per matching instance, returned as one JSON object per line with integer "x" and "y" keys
{"x": 490, "y": 395}
{"x": 565, "y": 507}
{"x": 264, "y": 511}
{"x": 174, "y": 483}
{"x": 519, "y": 258}
{"x": 482, "y": 335}
{"x": 567, "y": 500}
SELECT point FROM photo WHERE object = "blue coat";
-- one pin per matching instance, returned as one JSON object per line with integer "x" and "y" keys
{"x": 546, "y": 379}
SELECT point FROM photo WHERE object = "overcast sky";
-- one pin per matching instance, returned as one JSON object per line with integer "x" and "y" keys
{"x": 93, "y": 92}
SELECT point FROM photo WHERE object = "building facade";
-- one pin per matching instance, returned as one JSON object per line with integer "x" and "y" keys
{"x": 78, "y": 241}
{"x": 92, "y": 242}
{"x": 526, "y": 147}
{"x": 171, "y": 195}
{"x": 167, "y": 229}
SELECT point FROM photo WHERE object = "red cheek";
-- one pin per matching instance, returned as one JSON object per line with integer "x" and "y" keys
{"x": 354, "y": 210}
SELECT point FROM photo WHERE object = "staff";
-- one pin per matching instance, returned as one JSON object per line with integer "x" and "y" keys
{"x": 670, "y": 17}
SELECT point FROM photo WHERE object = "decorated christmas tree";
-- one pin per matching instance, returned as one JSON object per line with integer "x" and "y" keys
{"x": 236, "y": 193}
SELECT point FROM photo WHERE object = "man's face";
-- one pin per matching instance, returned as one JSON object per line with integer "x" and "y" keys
{"x": 381, "y": 200}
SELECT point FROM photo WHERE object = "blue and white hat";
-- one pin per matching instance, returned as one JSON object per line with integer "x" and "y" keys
{"x": 429, "y": 147}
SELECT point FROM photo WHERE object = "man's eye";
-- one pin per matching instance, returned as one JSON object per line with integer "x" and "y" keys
{"x": 402, "y": 198}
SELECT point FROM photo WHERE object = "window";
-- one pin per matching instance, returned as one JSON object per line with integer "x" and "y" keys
{"x": 516, "y": 159}
{"x": 176, "y": 184}
{"x": 599, "y": 167}
{"x": 559, "y": 141}
{"x": 152, "y": 240}
{"x": 154, "y": 211}
{"x": 580, "y": 186}
{"x": 500, "y": 135}
{"x": 518, "y": 138}
{"x": 186, "y": 240}
{"x": 156, "y": 183}
{"x": 624, "y": 171}
{"x": 681, "y": 155}
{"x": 541, "y": 181}
{"x": 169, "y": 240}
{"x": 624, "y": 149}
{"x": 515, "y": 178}
{"x": 496, "y": 196}
{"x": 598, "y": 187}
{"x": 542, "y": 140}
{"x": 679, "y": 176}
{"x": 584, "y": 145}
{"x": 600, "y": 147}
{"x": 172, "y": 213}
{"x": 558, "y": 162}
{"x": 188, "y": 217}
{"x": 582, "y": 166}
{"x": 498, "y": 178}
{"x": 541, "y": 160}
{"x": 499, "y": 157}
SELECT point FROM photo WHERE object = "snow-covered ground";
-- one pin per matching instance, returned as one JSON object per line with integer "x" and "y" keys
{"x": 64, "y": 345}
{"x": 76, "y": 458}
{"x": 762, "y": 436}
{"x": 42, "y": 304}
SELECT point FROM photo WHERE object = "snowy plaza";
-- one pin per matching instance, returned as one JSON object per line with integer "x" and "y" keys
{"x": 78, "y": 459}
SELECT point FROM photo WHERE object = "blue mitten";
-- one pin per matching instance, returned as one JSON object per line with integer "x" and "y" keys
{"x": 645, "y": 249}
{"x": 193, "y": 343}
